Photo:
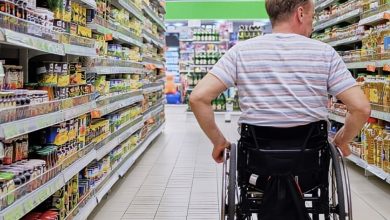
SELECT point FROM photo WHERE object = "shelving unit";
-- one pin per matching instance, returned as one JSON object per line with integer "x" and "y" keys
{"x": 362, "y": 20}
{"x": 96, "y": 104}
{"x": 97, "y": 196}
{"x": 350, "y": 15}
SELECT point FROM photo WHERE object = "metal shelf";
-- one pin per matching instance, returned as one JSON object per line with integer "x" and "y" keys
{"x": 157, "y": 63}
{"x": 352, "y": 14}
{"x": 122, "y": 168}
{"x": 16, "y": 128}
{"x": 130, "y": 7}
{"x": 208, "y": 42}
{"x": 90, "y": 4}
{"x": 27, "y": 41}
{"x": 202, "y": 66}
{"x": 364, "y": 64}
{"x": 154, "y": 110}
{"x": 324, "y": 4}
{"x": 154, "y": 88}
{"x": 370, "y": 168}
{"x": 345, "y": 41}
{"x": 375, "y": 114}
{"x": 154, "y": 17}
{"x": 151, "y": 38}
{"x": 124, "y": 38}
{"x": 374, "y": 19}
{"x": 27, "y": 203}
{"x": 23, "y": 40}
{"x": 107, "y": 109}
{"x": 105, "y": 70}
{"x": 335, "y": 117}
{"x": 119, "y": 138}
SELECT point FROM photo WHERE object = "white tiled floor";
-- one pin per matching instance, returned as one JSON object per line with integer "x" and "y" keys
{"x": 176, "y": 179}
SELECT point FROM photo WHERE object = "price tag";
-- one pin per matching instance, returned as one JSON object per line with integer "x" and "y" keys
{"x": 108, "y": 37}
{"x": 95, "y": 114}
{"x": 386, "y": 67}
{"x": 16, "y": 213}
{"x": 29, "y": 204}
{"x": 371, "y": 68}
{"x": 386, "y": 16}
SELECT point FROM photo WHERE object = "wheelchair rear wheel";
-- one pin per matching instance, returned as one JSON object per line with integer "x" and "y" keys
{"x": 340, "y": 205}
{"x": 229, "y": 184}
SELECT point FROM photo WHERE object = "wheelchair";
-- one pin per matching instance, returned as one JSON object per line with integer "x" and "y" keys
{"x": 313, "y": 166}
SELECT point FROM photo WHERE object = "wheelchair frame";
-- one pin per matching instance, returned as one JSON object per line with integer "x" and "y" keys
{"x": 338, "y": 184}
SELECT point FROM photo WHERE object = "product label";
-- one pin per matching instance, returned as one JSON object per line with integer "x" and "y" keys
{"x": 374, "y": 97}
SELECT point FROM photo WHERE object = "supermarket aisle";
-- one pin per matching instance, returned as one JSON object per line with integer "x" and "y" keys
{"x": 177, "y": 179}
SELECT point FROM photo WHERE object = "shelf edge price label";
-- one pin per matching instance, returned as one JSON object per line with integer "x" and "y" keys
{"x": 16, "y": 213}
{"x": 371, "y": 68}
{"x": 386, "y": 67}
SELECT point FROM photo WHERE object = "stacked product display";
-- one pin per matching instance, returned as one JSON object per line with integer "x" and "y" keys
{"x": 206, "y": 46}
{"x": 81, "y": 98}
{"x": 249, "y": 31}
{"x": 359, "y": 31}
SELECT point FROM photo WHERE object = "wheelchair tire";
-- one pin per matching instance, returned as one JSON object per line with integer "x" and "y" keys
{"x": 339, "y": 209}
{"x": 232, "y": 183}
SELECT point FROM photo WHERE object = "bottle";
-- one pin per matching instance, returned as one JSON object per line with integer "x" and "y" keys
{"x": 379, "y": 148}
{"x": 213, "y": 103}
{"x": 223, "y": 99}
{"x": 219, "y": 104}
{"x": 386, "y": 150}
{"x": 369, "y": 143}
{"x": 386, "y": 95}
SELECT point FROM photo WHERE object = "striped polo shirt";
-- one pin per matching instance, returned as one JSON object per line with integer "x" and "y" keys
{"x": 283, "y": 80}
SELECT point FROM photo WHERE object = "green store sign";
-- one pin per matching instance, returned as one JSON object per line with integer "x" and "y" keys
{"x": 217, "y": 9}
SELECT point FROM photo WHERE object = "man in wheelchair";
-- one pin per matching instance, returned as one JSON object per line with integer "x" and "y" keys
{"x": 284, "y": 80}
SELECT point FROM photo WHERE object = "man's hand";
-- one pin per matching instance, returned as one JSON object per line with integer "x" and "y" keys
{"x": 218, "y": 152}
{"x": 343, "y": 146}
{"x": 345, "y": 150}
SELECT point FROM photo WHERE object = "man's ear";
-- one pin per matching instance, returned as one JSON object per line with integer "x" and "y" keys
{"x": 300, "y": 11}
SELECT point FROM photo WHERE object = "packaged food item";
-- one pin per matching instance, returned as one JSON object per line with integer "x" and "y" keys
{"x": 386, "y": 150}
{"x": 13, "y": 77}
{"x": 63, "y": 75}
{"x": 57, "y": 134}
{"x": 46, "y": 74}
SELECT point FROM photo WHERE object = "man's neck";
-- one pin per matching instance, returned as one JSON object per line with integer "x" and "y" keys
{"x": 284, "y": 28}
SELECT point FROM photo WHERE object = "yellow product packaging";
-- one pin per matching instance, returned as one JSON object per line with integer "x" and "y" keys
{"x": 83, "y": 20}
{"x": 73, "y": 29}
{"x": 75, "y": 12}
{"x": 100, "y": 84}
{"x": 84, "y": 31}
{"x": 46, "y": 74}
{"x": 63, "y": 76}
{"x": 72, "y": 130}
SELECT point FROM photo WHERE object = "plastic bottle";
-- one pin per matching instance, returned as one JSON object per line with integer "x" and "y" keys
{"x": 386, "y": 150}
{"x": 379, "y": 144}
{"x": 386, "y": 95}
{"x": 369, "y": 143}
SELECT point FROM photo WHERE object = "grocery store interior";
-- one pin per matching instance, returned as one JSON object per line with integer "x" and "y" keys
{"x": 94, "y": 115}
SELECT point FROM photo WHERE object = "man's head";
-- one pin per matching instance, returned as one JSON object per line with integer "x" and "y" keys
{"x": 296, "y": 15}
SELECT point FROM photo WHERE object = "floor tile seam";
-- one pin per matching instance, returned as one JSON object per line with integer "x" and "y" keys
{"x": 147, "y": 173}
{"x": 369, "y": 205}
{"x": 176, "y": 159}
{"x": 192, "y": 182}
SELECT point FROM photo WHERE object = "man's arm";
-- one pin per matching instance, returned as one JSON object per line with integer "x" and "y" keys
{"x": 358, "y": 112}
{"x": 200, "y": 101}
